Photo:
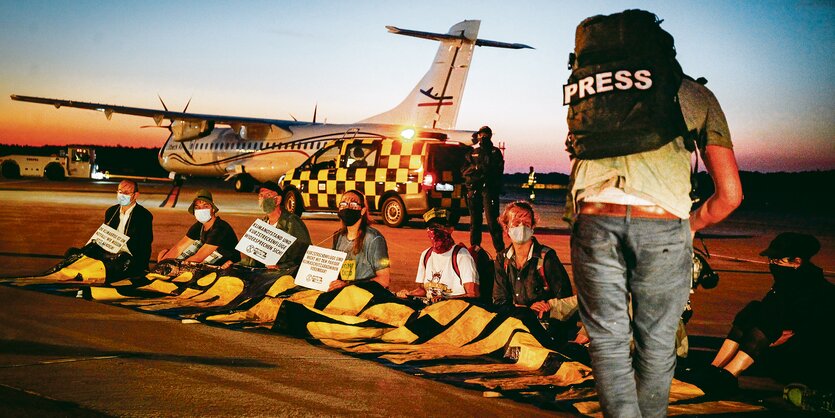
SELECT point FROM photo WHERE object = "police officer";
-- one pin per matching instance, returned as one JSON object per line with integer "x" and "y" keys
{"x": 483, "y": 172}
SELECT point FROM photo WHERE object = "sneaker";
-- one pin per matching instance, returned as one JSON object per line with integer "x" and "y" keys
{"x": 809, "y": 399}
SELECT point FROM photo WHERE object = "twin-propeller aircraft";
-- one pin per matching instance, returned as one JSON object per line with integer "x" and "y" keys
{"x": 253, "y": 149}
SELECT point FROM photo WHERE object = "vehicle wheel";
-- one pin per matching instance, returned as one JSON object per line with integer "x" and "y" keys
{"x": 244, "y": 183}
{"x": 11, "y": 170}
{"x": 394, "y": 212}
{"x": 54, "y": 172}
{"x": 292, "y": 202}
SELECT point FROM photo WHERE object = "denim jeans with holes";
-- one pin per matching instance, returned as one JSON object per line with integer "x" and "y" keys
{"x": 647, "y": 261}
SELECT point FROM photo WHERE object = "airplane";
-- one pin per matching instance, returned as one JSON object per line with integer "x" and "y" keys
{"x": 253, "y": 150}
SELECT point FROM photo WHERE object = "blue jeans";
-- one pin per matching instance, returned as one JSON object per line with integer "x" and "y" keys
{"x": 650, "y": 260}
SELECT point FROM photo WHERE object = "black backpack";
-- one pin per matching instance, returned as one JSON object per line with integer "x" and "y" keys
{"x": 623, "y": 89}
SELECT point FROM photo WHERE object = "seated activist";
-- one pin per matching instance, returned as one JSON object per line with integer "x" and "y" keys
{"x": 784, "y": 329}
{"x": 445, "y": 270}
{"x": 132, "y": 219}
{"x": 368, "y": 256}
{"x": 210, "y": 240}
{"x": 269, "y": 201}
{"x": 531, "y": 280}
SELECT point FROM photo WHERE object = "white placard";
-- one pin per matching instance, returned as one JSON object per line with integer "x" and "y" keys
{"x": 319, "y": 268}
{"x": 265, "y": 243}
{"x": 109, "y": 239}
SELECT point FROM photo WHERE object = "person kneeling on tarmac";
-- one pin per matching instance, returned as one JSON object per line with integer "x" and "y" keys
{"x": 446, "y": 270}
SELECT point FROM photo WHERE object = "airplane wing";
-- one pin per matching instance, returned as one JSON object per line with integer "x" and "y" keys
{"x": 159, "y": 115}
{"x": 442, "y": 37}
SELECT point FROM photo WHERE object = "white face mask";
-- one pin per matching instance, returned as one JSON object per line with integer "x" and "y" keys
{"x": 520, "y": 234}
{"x": 203, "y": 215}
{"x": 123, "y": 199}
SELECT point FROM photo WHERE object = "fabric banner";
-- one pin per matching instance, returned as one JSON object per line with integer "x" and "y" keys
{"x": 453, "y": 341}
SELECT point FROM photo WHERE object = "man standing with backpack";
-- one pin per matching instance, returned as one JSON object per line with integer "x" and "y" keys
{"x": 634, "y": 119}
{"x": 483, "y": 176}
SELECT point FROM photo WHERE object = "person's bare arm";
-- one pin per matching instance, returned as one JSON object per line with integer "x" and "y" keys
{"x": 176, "y": 250}
{"x": 721, "y": 165}
{"x": 383, "y": 277}
{"x": 470, "y": 290}
{"x": 201, "y": 254}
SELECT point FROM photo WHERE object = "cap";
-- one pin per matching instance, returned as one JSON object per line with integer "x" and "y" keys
{"x": 439, "y": 216}
{"x": 486, "y": 129}
{"x": 792, "y": 244}
{"x": 271, "y": 185}
{"x": 205, "y": 196}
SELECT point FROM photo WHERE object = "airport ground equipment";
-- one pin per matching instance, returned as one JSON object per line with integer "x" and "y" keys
{"x": 400, "y": 178}
{"x": 76, "y": 162}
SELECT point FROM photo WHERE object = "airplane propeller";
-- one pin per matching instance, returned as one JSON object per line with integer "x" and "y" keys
{"x": 171, "y": 122}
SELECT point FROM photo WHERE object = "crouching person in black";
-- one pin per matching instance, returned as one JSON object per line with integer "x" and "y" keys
{"x": 784, "y": 330}
{"x": 531, "y": 282}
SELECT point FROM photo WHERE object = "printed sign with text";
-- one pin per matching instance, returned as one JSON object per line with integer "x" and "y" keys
{"x": 109, "y": 239}
{"x": 265, "y": 243}
{"x": 319, "y": 268}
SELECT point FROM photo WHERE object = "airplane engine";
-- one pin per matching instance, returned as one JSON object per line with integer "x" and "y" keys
{"x": 187, "y": 130}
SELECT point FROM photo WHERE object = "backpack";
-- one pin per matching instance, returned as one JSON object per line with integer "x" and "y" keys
{"x": 455, "y": 249}
{"x": 623, "y": 90}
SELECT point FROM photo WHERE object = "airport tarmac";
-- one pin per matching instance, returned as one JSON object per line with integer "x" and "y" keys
{"x": 137, "y": 364}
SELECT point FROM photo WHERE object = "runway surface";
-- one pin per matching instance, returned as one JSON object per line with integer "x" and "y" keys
{"x": 137, "y": 364}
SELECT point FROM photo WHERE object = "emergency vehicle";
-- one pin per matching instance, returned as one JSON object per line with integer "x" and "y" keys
{"x": 400, "y": 178}
{"x": 79, "y": 162}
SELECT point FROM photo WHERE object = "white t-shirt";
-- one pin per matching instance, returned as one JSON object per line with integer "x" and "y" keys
{"x": 439, "y": 278}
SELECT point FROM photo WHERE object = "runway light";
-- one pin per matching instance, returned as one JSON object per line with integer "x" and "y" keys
{"x": 407, "y": 134}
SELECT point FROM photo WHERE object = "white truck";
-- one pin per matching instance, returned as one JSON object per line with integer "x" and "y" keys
{"x": 79, "y": 162}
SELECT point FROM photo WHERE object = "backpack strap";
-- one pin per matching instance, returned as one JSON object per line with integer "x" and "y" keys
{"x": 540, "y": 266}
{"x": 426, "y": 257}
{"x": 455, "y": 249}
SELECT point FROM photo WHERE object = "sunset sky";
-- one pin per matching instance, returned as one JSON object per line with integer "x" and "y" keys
{"x": 770, "y": 63}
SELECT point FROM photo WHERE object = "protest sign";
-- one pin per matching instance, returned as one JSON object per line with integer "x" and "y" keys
{"x": 265, "y": 243}
{"x": 319, "y": 268}
{"x": 109, "y": 239}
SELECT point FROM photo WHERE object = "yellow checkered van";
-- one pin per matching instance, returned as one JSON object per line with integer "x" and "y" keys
{"x": 400, "y": 178}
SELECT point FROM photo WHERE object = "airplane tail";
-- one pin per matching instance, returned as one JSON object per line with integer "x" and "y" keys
{"x": 435, "y": 101}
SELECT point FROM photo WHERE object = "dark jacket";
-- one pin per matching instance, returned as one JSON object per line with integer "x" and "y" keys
{"x": 526, "y": 286}
{"x": 483, "y": 168}
{"x": 140, "y": 229}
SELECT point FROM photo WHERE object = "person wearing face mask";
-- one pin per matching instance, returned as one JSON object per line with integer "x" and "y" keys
{"x": 446, "y": 270}
{"x": 210, "y": 240}
{"x": 368, "y": 256}
{"x": 483, "y": 173}
{"x": 132, "y": 219}
{"x": 531, "y": 280}
{"x": 784, "y": 328}
{"x": 269, "y": 201}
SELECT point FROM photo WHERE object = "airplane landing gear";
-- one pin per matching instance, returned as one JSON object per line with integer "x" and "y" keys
{"x": 244, "y": 183}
